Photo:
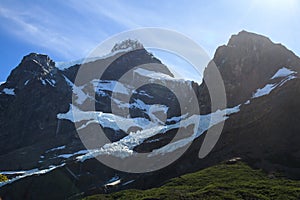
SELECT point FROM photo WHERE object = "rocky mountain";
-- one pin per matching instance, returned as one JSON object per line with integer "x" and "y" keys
{"x": 33, "y": 89}
{"x": 246, "y": 64}
{"x": 46, "y": 111}
{"x": 263, "y": 78}
{"x": 36, "y": 92}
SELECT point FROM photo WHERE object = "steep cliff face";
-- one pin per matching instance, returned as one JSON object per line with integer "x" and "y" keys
{"x": 247, "y": 63}
{"x": 37, "y": 92}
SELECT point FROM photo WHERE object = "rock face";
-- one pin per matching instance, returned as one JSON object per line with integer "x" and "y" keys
{"x": 37, "y": 130}
{"x": 265, "y": 132}
{"x": 28, "y": 115}
{"x": 246, "y": 63}
{"x": 127, "y": 44}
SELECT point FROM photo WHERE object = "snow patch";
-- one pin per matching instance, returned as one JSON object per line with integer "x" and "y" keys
{"x": 23, "y": 174}
{"x": 283, "y": 72}
{"x": 69, "y": 155}
{"x": 247, "y": 102}
{"x": 177, "y": 118}
{"x": 153, "y": 74}
{"x": 51, "y": 82}
{"x": 66, "y": 65}
{"x": 79, "y": 116}
{"x": 43, "y": 82}
{"x": 56, "y": 148}
{"x": 124, "y": 147}
{"x": 128, "y": 182}
{"x": 115, "y": 178}
{"x": 287, "y": 79}
{"x": 9, "y": 91}
{"x": 264, "y": 91}
{"x": 108, "y": 85}
{"x": 81, "y": 96}
{"x": 206, "y": 122}
{"x": 287, "y": 75}
{"x": 150, "y": 109}
{"x": 143, "y": 93}
{"x": 107, "y": 120}
{"x": 113, "y": 181}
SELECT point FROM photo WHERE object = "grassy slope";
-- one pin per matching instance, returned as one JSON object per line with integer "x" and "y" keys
{"x": 237, "y": 181}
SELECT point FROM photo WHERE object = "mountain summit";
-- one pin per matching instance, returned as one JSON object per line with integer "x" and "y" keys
{"x": 248, "y": 61}
{"x": 128, "y": 44}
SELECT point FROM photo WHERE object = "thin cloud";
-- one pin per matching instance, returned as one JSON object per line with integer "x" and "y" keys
{"x": 73, "y": 28}
{"x": 34, "y": 28}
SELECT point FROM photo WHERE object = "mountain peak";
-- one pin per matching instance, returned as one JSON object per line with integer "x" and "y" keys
{"x": 33, "y": 66}
{"x": 41, "y": 59}
{"x": 128, "y": 44}
{"x": 248, "y": 62}
{"x": 245, "y": 38}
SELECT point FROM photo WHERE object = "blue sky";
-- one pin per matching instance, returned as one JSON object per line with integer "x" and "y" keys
{"x": 69, "y": 30}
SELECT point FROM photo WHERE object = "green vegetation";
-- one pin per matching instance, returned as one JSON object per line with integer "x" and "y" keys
{"x": 235, "y": 181}
{"x": 3, "y": 178}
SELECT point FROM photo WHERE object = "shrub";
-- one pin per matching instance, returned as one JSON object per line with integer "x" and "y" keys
{"x": 3, "y": 178}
